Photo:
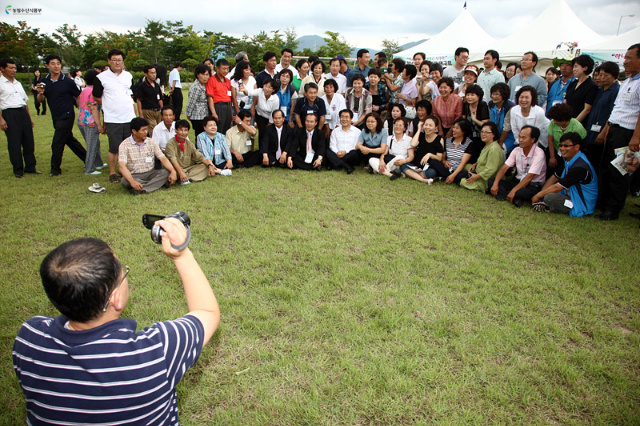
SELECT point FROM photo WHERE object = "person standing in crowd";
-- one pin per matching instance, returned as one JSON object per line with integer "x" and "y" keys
{"x": 448, "y": 106}
{"x": 269, "y": 71}
{"x": 175, "y": 89}
{"x": 219, "y": 96}
{"x": 197, "y": 106}
{"x": 316, "y": 76}
{"x": 558, "y": 90}
{"x": 287, "y": 96}
{"x": 34, "y": 83}
{"x": 334, "y": 74}
{"x": 89, "y": 125}
{"x": 362, "y": 67}
{"x": 582, "y": 92}
{"x": 550, "y": 77}
{"x": 378, "y": 90}
{"x": 285, "y": 61}
{"x": 302, "y": 66}
{"x": 149, "y": 97}
{"x": 344, "y": 68}
{"x": 310, "y": 104}
{"x": 112, "y": 90}
{"x": 528, "y": 77}
{"x": 358, "y": 100}
{"x": 526, "y": 113}
{"x": 511, "y": 70}
{"x": 499, "y": 106}
{"x": 61, "y": 93}
{"x": 455, "y": 71}
{"x": 393, "y": 79}
{"x": 561, "y": 124}
{"x": 418, "y": 58}
{"x": 15, "y": 120}
{"x": 334, "y": 103}
{"x": 469, "y": 77}
{"x": 242, "y": 78}
{"x": 265, "y": 101}
{"x": 622, "y": 129}
{"x": 490, "y": 76}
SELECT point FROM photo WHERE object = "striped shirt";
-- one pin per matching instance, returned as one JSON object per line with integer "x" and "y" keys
{"x": 215, "y": 150}
{"x": 454, "y": 154}
{"x": 110, "y": 374}
{"x": 627, "y": 106}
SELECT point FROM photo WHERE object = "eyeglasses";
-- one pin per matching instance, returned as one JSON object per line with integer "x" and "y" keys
{"x": 486, "y": 132}
{"x": 116, "y": 60}
{"x": 126, "y": 272}
{"x": 566, "y": 145}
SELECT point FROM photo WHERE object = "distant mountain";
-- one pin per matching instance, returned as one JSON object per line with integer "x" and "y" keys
{"x": 314, "y": 42}
{"x": 411, "y": 44}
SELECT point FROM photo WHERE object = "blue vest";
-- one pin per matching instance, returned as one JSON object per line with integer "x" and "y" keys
{"x": 583, "y": 195}
{"x": 557, "y": 92}
{"x": 285, "y": 100}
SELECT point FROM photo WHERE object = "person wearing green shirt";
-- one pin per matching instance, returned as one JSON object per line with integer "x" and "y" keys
{"x": 490, "y": 160}
{"x": 562, "y": 122}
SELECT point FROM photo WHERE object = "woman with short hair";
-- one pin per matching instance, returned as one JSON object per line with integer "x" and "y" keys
{"x": 429, "y": 146}
{"x": 526, "y": 112}
{"x": 316, "y": 76}
{"x": 448, "y": 106}
{"x": 456, "y": 155}
{"x": 242, "y": 78}
{"x": 490, "y": 161}
{"x": 303, "y": 70}
{"x": 358, "y": 100}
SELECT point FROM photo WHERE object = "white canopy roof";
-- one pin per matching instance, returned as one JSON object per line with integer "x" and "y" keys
{"x": 463, "y": 31}
{"x": 622, "y": 42}
{"x": 555, "y": 25}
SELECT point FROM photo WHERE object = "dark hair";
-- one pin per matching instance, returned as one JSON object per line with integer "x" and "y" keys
{"x": 560, "y": 112}
{"x": 476, "y": 89}
{"x": 381, "y": 61}
{"x": 534, "y": 94}
{"x": 436, "y": 66}
{"x": 403, "y": 111}
{"x": 332, "y": 60}
{"x": 512, "y": 64}
{"x": 378, "y": 122}
{"x": 286, "y": 49}
{"x": 499, "y": 64}
{"x": 311, "y": 85}
{"x": 347, "y": 110}
{"x": 465, "y": 126}
{"x": 610, "y": 68}
{"x": 411, "y": 70}
{"x": 268, "y": 55}
{"x": 494, "y": 129}
{"x": 90, "y": 77}
{"x": 494, "y": 54}
{"x": 275, "y": 84}
{"x": 176, "y": 65}
{"x": 238, "y": 74}
{"x": 381, "y": 54}
{"x": 161, "y": 74}
{"x": 273, "y": 113}
{"x": 6, "y": 61}
{"x": 403, "y": 120}
{"x": 459, "y": 50}
{"x": 74, "y": 72}
{"x": 421, "y": 54}
{"x": 375, "y": 71}
{"x": 79, "y": 277}
{"x": 313, "y": 58}
{"x": 211, "y": 61}
{"x": 358, "y": 77}
{"x": 316, "y": 62}
{"x": 361, "y": 53}
{"x": 424, "y": 104}
{"x": 148, "y": 67}
{"x": 331, "y": 82}
{"x": 636, "y": 47}
{"x": 50, "y": 58}
{"x": 138, "y": 123}
{"x": 207, "y": 119}
{"x": 553, "y": 70}
{"x": 313, "y": 114}
{"x": 584, "y": 61}
{"x": 534, "y": 57}
{"x": 398, "y": 63}
{"x": 433, "y": 118}
{"x": 245, "y": 114}
{"x": 183, "y": 124}
{"x": 167, "y": 107}
{"x": 503, "y": 89}
{"x": 221, "y": 62}
{"x": 448, "y": 81}
{"x": 288, "y": 72}
{"x": 535, "y": 132}
{"x": 300, "y": 63}
{"x": 573, "y": 137}
{"x": 115, "y": 52}
{"x": 428, "y": 63}
{"x": 201, "y": 69}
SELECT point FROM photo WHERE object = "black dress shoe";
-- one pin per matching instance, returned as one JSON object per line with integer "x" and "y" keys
{"x": 18, "y": 175}
{"x": 53, "y": 174}
{"x": 517, "y": 202}
{"x": 35, "y": 172}
{"x": 319, "y": 168}
{"x": 350, "y": 170}
{"x": 607, "y": 215}
{"x": 636, "y": 215}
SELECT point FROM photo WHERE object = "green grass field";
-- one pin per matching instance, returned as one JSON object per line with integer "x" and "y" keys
{"x": 354, "y": 300}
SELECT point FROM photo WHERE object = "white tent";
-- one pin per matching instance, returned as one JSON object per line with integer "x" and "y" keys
{"x": 555, "y": 25}
{"x": 463, "y": 31}
{"x": 614, "y": 48}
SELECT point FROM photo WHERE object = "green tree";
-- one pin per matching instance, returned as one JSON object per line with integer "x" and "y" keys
{"x": 69, "y": 45}
{"x": 390, "y": 47}
{"x": 22, "y": 43}
{"x": 154, "y": 48}
{"x": 336, "y": 45}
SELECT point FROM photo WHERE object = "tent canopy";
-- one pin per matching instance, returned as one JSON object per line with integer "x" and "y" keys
{"x": 622, "y": 42}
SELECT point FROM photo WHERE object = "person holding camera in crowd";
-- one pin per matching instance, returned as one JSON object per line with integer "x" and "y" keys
{"x": 89, "y": 365}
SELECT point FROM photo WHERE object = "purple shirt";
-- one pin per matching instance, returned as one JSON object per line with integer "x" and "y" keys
{"x": 409, "y": 90}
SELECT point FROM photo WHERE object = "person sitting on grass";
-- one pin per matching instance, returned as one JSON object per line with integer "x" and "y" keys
{"x": 308, "y": 146}
{"x": 456, "y": 155}
{"x": 136, "y": 161}
{"x": 89, "y": 365}
{"x": 562, "y": 122}
{"x": 213, "y": 145}
{"x": 531, "y": 169}
{"x": 372, "y": 142}
{"x": 429, "y": 147}
{"x": 277, "y": 141}
{"x": 240, "y": 139}
{"x": 342, "y": 152}
{"x": 490, "y": 160}
{"x": 573, "y": 189}
{"x": 182, "y": 153}
{"x": 398, "y": 155}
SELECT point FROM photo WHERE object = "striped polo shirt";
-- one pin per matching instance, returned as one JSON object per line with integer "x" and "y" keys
{"x": 110, "y": 374}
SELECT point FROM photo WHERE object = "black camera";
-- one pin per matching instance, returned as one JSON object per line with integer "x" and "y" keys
{"x": 149, "y": 221}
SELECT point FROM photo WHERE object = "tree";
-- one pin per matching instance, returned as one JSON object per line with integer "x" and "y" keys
{"x": 390, "y": 47}
{"x": 69, "y": 45}
{"x": 155, "y": 33}
{"x": 22, "y": 43}
{"x": 335, "y": 46}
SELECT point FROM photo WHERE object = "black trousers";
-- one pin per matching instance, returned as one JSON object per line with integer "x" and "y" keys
{"x": 223, "y": 110}
{"x": 613, "y": 185}
{"x": 62, "y": 136}
{"x": 20, "y": 140}
{"x": 176, "y": 102}
{"x": 251, "y": 158}
{"x": 38, "y": 103}
{"x": 524, "y": 194}
{"x": 351, "y": 159}
{"x": 197, "y": 127}
{"x": 262, "y": 124}
{"x": 298, "y": 162}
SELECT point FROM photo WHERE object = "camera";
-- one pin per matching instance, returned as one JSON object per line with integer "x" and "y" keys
{"x": 149, "y": 221}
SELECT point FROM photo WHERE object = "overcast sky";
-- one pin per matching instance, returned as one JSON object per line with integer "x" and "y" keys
{"x": 361, "y": 23}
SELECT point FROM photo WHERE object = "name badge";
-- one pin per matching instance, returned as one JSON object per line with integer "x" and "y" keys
{"x": 516, "y": 91}
{"x": 284, "y": 110}
{"x": 328, "y": 116}
{"x": 596, "y": 128}
{"x": 158, "y": 96}
{"x": 355, "y": 117}
{"x": 248, "y": 142}
{"x": 309, "y": 158}
{"x": 556, "y": 103}
{"x": 228, "y": 92}
{"x": 568, "y": 204}
{"x": 310, "y": 111}
{"x": 148, "y": 160}
{"x": 217, "y": 152}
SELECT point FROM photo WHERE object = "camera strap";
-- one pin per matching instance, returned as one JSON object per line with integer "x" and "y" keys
{"x": 186, "y": 241}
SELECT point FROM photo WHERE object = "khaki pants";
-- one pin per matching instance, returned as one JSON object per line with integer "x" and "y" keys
{"x": 153, "y": 117}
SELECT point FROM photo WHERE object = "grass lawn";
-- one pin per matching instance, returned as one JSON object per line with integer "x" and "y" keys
{"x": 353, "y": 300}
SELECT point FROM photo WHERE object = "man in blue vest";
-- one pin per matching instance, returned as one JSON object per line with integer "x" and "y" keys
{"x": 573, "y": 189}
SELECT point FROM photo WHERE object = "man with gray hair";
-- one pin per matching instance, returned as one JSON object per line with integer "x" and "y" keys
{"x": 240, "y": 56}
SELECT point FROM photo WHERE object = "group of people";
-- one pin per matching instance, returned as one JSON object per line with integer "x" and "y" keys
{"x": 415, "y": 120}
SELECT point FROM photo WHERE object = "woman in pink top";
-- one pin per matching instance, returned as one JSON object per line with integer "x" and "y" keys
{"x": 89, "y": 125}
{"x": 448, "y": 106}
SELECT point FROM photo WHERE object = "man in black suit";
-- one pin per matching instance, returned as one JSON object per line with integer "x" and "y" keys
{"x": 277, "y": 142}
{"x": 308, "y": 146}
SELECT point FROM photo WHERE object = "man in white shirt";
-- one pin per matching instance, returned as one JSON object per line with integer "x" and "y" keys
{"x": 285, "y": 62}
{"x": 334, "y": 74}
{"x": 175, "y": 90}
{"x": 166, "y": 129}
{"x": 342, "y": 150}
{"x": 113, "y": 89}
{"x": 490, "y": 75}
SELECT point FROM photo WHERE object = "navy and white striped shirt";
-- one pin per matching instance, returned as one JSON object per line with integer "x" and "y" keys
{"x": 110, "y": 374}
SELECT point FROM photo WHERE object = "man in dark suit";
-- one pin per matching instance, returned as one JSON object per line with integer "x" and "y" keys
{"x": 277, "y": 142}
{"x": 308, "y": 146}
